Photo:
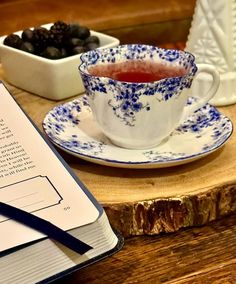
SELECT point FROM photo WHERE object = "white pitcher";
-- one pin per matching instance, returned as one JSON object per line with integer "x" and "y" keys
{"x": 212, "y": 39}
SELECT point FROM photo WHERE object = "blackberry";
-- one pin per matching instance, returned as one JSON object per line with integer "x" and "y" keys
{"x": 13, "y": 40}
{"x": 60, "y": 33}
{"x": 41, "y": 39}
{"x": 60, "y": 26}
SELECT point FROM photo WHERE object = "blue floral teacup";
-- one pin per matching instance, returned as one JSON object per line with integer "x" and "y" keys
{"x": 139, "y": 94}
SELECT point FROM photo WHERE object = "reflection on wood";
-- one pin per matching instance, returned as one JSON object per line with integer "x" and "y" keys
{"x": 205, "y": 255}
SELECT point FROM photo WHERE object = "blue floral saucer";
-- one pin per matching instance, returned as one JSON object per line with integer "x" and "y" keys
{"x": 72, "y": 128}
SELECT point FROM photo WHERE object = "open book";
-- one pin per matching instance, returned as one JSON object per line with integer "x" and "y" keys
{"x": 35, "y": 179}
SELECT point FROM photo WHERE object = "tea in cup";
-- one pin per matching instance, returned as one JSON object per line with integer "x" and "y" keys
{"x": 139, "y": 94}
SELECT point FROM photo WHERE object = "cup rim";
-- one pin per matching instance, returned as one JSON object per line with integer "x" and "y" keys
{"x": 100, "y": 51}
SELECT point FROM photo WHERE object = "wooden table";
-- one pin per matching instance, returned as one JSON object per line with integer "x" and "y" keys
{"x": 195, "y": 255}
{"x": 205, "y": 255}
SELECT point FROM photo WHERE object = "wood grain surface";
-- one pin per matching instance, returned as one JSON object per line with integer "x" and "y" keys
{"x": 149, "y": 21}
{"x": 204, "y": 255}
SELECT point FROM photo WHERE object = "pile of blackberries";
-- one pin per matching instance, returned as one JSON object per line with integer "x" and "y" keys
{"x": 60, "y": 41}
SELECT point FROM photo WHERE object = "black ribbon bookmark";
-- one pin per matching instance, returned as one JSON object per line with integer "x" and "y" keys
{"x": 44, "y": 227}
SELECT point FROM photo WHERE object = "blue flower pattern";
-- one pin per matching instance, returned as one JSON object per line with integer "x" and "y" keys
{"x": 64, "y": 115}
{"x": 127, "y": 103}
{"x": 157, "y": 156}
{"x": 207, "y": 129}
{"x": 199, "y": 122}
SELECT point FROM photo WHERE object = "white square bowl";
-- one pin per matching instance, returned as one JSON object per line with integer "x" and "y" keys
{"x": 53, "y": 79}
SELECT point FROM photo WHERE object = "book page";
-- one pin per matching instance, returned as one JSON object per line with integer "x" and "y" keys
{"x": 34, "y": 179}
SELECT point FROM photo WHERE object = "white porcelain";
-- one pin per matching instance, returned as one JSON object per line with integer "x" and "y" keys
{"x": 52, "y": 79}
{"x": 141, "y": 115}
{"x": 72, "y": 128}
{"x": 212, "y": 39}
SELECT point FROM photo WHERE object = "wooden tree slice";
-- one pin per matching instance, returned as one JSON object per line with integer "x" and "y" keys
{"x": 155, "y": 200}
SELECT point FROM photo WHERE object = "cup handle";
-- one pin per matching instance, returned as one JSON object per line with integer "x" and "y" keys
{"x": 202, "y": 99}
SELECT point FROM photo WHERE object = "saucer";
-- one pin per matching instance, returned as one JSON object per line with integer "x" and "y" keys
{"x": 72, "y": 128}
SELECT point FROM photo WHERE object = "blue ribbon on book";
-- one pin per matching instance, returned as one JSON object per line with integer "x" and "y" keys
{"x": 44, "y": 227}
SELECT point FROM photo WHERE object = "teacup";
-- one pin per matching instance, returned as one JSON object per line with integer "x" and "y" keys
{"x": 139, "y": 94}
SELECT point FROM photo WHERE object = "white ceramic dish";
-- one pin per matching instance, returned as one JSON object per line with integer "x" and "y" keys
{"x": 53, "y": 79}
{"x": 72, "y": 128}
